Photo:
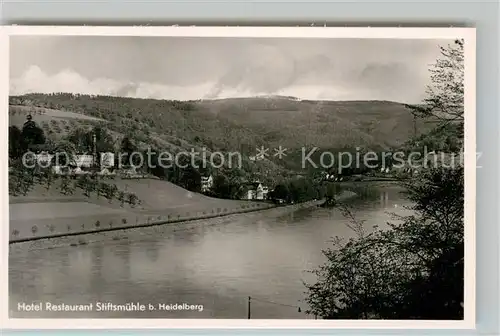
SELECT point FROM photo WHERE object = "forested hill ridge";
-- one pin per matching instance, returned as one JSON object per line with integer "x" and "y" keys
{"x": 234, "y": 124}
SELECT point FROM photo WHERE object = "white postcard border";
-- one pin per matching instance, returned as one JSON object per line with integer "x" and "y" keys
{"x": 469, "y": 34}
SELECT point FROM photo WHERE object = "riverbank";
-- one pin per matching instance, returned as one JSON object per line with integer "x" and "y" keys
{"x": 142, "y": 231}
{"x": 48, "y": 228}
{"x": 45, "y": 213}
{"x": 50, "y": 236}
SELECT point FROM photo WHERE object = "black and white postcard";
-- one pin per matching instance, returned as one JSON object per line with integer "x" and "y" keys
{"x": 238, "y": 177}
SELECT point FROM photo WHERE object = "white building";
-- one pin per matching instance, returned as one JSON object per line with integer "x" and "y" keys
{"x": 60, "y": 170}
{"x": 84, "y": 160}
{"x": 207, "y": 182}
{"x": 107, "y": 160}
{"x": 255, "y": 191}
{"x": 265, "y": 191}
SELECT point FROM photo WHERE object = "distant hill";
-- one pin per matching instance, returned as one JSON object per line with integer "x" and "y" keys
{"x": 237, "y": 124}
{"x": 325, "y": 124}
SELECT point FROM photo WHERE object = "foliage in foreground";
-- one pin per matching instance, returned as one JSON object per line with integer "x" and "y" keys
{"x": 414, "y": 270}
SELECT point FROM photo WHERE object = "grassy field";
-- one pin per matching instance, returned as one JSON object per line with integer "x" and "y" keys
{"x": 18, "y": 113}
{"x": 156, "y": 196}
{"x": 51, "y": 213}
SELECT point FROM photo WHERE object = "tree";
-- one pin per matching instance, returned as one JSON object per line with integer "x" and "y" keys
{"x": 15, "y": 142}
{"x": 280, "y": 192}
{"x": 414, "y": 269}
{"x": 191, "y": 179}
{"x": 156, "y": 167}
{"x": 65, "y": 152}
{"x": 82, "y": 140}
{"x": 21, "y": 180}
{"x": 228, "y": 184}
{"x": 104, "y": 141}
{"x": 32, "y": 134}
{"x": 444, "y": 103}
{"x": 445, "y": 94}
{"x": 331, "y": 191}
{"x": 126, "y": 149}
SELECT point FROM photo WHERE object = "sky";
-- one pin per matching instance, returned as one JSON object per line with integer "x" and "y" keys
{"x": 185, "y": 68}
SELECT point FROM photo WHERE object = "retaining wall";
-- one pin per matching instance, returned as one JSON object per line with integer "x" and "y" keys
{"x": 92, "y": 224}
{"x": 58, "y": 227}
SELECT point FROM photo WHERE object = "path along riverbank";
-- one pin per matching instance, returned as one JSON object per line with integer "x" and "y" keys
{"x": 50, "y": 237}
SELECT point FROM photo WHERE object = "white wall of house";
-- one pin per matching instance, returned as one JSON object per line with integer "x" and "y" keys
{"x": 60, "y": 170}
{"x": 260, "y": 193}
{"x": 207, "y": 183}
{"x": 84, "y": 160}
{"x": 107, "y": 159}
{"x": 250, "y": 194}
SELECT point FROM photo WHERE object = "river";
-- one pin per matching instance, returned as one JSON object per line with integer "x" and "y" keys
{"x": 217, "y": 266}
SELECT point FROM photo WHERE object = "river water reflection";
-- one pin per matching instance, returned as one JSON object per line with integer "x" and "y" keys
{"x": 216, "y": 266}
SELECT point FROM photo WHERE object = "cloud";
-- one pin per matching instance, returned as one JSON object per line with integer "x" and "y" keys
{"x": 206, "y": 68}
{"x": 257, "y": 69}
{"x": 231, "y": 85}
{"x": 35, "y": 80}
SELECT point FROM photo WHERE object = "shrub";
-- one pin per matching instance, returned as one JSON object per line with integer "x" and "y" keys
{"x": 121, "y": 197}
{"x": 110, "y": 191}
{"x": 65, "y": 186}
{"x": 132, "y": 199}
